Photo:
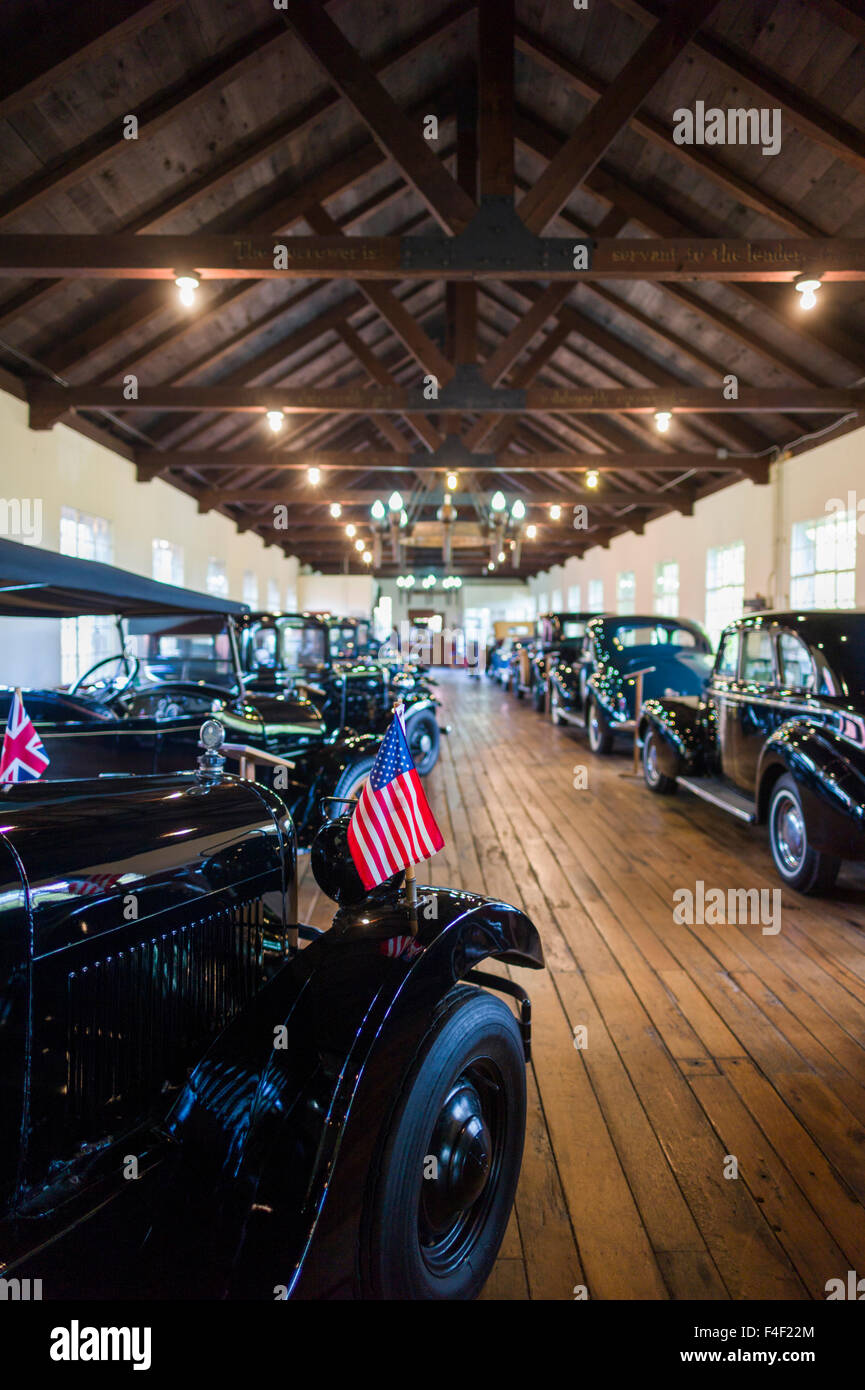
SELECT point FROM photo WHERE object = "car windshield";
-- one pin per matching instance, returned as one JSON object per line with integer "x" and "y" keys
{"x": 572, "y": 631}
{"x": 343, "y": 641}
{"x": 302, "y": 645}
{"x": 647, "y": 634}
{"x": 186, "y": 656}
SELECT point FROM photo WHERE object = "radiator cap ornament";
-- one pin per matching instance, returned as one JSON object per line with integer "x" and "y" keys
{"x": 211, "y": 737}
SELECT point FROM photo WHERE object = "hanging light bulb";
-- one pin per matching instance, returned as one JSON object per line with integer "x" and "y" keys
{"x": 395, "y": 502}
{"x": 518, "y": 510}
{"x": 187, "y": 283}
{"x": 531, "y": 531}
{"x": 501, "y": 557}
{"x": 497, "y": 502}
{"x": 351, "y": 530}
{"x": 359, "y": 545}
{"x": 662, "y": 420}
{"x": 490, "y": 565}
{"x": 458, "y": 583}
{"x": 335, "y": 509}
{"x": 555, "y": 512}
{"x": 376, "y": 511}
{"x": 806, "y": 287}
{"x": 276, "y": 420}
{"x": 400, "y": 582}
{"x": 409, "y": 581}
{"x": 403, "y": 518}
{"x": 366, "y": 557}
{"x": 313, "y": 476}
{"x": 452, "y": 482}
{"x": 592, "y": 478}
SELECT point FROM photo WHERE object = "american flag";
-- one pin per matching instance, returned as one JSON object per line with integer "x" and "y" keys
{"x": 392, "y": 826}
{"x": 23, "y": 758}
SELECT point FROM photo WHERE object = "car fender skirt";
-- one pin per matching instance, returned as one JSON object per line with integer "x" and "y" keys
{"x": 830, "y": 775}
{"x": 277, "y": 1126}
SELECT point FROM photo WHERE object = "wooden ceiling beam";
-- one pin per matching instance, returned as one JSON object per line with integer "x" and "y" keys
{"x": 496, "y": 108}
{"x": 588, "y": 144}
{"x": 370, "y": 258}
{"x": 394, "y": 131}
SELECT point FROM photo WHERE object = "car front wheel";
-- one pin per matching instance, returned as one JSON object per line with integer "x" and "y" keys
{"x": 803, "y": 868}
{"x": 600, "y": 735}
{"x": 555, "y": 702}
{"x": 449, "y": 1157}
{"x": 656, "y": 780}
{"x": 422, "y": 732}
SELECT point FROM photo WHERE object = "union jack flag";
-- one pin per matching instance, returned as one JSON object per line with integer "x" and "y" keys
{"x": 23, "y": 758}
{"x": 392, "y": 826}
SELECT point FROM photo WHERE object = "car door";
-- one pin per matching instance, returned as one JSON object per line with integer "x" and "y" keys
{"x": 721, "y": 692}
{"x": 757, "y": 705}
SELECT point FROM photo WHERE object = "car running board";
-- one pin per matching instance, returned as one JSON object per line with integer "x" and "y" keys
{"x": 571, "y": 717}
{"x": 719, "y": 794}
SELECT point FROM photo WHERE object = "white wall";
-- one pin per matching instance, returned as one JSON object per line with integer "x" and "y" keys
{"x": 761, "y": 516}
{"x": 349, "y": 595}
{"x": 61, "y": 467}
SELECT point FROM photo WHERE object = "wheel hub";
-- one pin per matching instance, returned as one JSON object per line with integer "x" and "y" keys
{"x": 462, "y": 1148}
{"x": 790, "y": 832}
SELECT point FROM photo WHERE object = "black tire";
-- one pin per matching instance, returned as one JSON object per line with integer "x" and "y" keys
{"x": 424, "y": 735}
{"x": 467, "y": 1079}
{"x": 555, "y": 702}
{"x": 656, "y": 780}
{"x": 349, "y": 785}
{"x": 801, "y": 867}
{"x": 600, "y": 735}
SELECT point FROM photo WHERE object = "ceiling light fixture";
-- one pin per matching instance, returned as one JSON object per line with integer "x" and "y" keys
{"x": 452, "y": 482}
{"x": 335, "y": 509}
{"x": 518, "y": 510}
{"x": 351, "y": 530}
{"x": 395, "y": 502}
{"x": 593, "y": 477}
{"x": 555, "y": 512}
{"x": 662, "y": 420}
{"x": 276, "y": 420}
{"x": 366, "y": 557}
{"x": 531, "y": 531}
{"x": 376, "y": 511}
{"x": 187, "y": 283}
{"x": 806, "y": 286}
{"x": 359, "y": 545}
{"x": 313, "y": 476}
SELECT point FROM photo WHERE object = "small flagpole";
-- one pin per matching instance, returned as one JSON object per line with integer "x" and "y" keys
{"x": 410, "y": 879}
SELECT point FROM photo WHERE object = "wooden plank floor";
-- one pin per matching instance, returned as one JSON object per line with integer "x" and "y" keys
{"x": 702, "y": 1042}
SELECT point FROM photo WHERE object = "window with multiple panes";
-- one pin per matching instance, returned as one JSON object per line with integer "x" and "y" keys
{"x": 823, "y": 562}
{"x": 556, "y": 601}
{"x": 217, "y": 578}
{"x": 574, "y": 598}
{"x": 725, "y": 586}
{"x": 596, "y": 595}
{"x": 272, "y": 595}
{"x": 167, "y": 562}
{"x": 626, "y": 592}
{"x": 667, "y": 588}
{"x": 250, "y": 588}
{"x": 84, "y": 641}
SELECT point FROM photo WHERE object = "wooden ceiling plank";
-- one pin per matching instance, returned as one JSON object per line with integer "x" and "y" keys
{"x": 30, "y": 68}
{"x": 392, "y": 128}
{"x": 588, "y": 144}
{"x": 734, "y": 184}
{"x": 814, "y": 120}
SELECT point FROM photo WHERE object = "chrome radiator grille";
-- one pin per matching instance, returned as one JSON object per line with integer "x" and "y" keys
{"x": 140, "y": 1017}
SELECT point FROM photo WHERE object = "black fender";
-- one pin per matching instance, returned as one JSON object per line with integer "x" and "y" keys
{"x": 415, "y": 703}
{"x": 829, "y": 772}
{"x": 685, "y": 735}
{"x": 567, "y": 682}
{"x": 272, "y": 1145}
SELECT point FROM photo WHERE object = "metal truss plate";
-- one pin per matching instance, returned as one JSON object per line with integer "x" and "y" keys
{"x": 496, "y": 239}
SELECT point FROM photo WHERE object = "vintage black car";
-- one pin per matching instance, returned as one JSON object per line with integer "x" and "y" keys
{"x": 778, "y": 737}
{"x": 597, "y": 689}
{"x": 193, "y": 1104}
{"x": 558, "y": 638}
{"x": 113, "y": 720}
{"x": 321, "y": 658}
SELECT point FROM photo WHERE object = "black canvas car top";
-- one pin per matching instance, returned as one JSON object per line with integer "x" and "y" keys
{"x": 37, "y": 583}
